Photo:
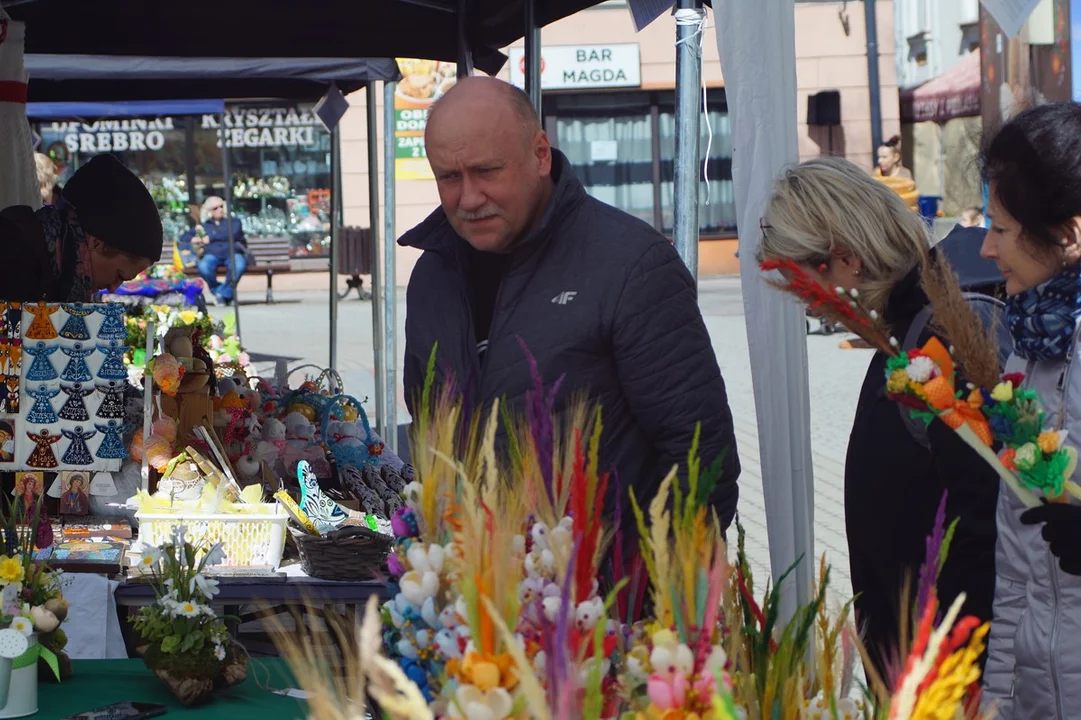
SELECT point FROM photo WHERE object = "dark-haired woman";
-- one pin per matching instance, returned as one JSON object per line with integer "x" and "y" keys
{"x": 1033, "y": 167}
{"x": 889, "y": 160}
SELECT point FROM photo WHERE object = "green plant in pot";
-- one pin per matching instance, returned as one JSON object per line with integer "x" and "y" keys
{"x": 187, "y": 643}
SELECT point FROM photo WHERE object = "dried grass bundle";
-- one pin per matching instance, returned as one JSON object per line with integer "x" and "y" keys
{"x": 974, "y": 346}
{"x": 341, "y": 693}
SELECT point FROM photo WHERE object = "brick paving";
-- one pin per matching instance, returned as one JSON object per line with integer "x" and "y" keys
{"x": 296, "y": 327}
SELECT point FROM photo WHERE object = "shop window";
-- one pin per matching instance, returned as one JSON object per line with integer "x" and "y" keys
{"x": 279, "y": 158}
{"x": 716, "y": 192}
{"x": 621, "y": 146}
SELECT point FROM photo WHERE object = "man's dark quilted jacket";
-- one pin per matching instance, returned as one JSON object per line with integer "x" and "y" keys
{"x": 601, "y": 298}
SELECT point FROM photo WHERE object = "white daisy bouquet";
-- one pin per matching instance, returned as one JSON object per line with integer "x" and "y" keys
{"x": 185, "y": 638}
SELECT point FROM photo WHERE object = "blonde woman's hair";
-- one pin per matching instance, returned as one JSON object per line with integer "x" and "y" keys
{"x": 827, "y": 206}
{"x": 210, "y": 202}
{"x": 46, "y": 176}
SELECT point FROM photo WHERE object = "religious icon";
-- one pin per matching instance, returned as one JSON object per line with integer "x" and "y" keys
{"x": 7, "y": 441}
{"x": 73, "y": 497}
{"x": 28, "y": 489}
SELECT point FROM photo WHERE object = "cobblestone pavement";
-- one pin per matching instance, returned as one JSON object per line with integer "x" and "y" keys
{"x": 296, "y": 328}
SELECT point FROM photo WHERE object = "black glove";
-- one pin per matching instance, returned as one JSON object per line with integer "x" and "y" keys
{"x": 1061, "y": 530}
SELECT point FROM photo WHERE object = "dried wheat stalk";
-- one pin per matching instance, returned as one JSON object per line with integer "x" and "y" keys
{"x": 973, "y": 345}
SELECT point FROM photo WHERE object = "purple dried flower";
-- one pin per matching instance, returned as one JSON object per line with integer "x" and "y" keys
{"x": 540, "y": 408}
{"x": 930, "y": 569}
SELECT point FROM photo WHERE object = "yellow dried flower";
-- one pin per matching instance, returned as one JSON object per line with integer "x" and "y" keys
{"x": 897, "y": 381}
{"x": 11, "y": 570}
{"x": 942, "y": 698}
{"x": 1003, "y": 392}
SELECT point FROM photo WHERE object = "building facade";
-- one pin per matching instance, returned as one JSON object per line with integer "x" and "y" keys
{"x": 608, "y": 104}
{"x": 932, "y": 36}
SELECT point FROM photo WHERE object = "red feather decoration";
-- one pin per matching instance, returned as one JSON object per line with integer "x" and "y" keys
{"x": 827, "y": 302}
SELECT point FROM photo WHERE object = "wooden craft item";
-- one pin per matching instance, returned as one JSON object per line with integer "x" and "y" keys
{"x": 213, "y": 474}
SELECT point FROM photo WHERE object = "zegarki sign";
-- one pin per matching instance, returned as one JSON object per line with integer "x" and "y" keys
{"x": 573, "y": 67}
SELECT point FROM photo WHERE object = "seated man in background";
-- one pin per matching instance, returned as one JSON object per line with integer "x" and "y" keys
{"x": 213, "y": 237}
{"x": 519, "y": 250}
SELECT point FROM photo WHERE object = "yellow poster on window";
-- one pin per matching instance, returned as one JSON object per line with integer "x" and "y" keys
{"x": 423, "y": 82}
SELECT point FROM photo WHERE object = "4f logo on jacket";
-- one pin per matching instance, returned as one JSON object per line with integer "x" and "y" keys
{"x": 564, "y": 297}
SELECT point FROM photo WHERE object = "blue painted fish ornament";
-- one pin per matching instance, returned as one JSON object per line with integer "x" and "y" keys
{"x": 326, "y": 514}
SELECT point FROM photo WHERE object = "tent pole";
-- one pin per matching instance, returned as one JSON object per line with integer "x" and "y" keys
{"x": 378, "y": 335}
{"x": 690, "y": 17}
{"x": 226, "y": 181}
{"x": 390, "y": 284}
{"x": 532, "y": 55}
{"x": 871, "y": 26}
{"x": 465, "y": 54}
{"x": 335, "y": 237}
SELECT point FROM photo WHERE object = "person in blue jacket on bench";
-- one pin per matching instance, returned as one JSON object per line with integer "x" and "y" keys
{"x": 213, "y": 237}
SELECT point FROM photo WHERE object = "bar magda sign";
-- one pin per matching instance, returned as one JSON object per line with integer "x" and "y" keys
{"x": 581, "y": 67}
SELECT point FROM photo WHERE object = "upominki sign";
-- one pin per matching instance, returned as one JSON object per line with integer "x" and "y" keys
{"x": 244, "y": 128}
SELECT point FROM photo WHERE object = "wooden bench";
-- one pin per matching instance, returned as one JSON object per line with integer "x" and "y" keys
{"x": 267, "y": 255}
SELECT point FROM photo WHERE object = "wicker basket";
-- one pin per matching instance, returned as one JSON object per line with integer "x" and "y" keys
{"x": 351, "y": 553}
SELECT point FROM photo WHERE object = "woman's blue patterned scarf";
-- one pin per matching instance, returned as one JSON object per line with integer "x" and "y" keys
{"x": 1043, "y": 319}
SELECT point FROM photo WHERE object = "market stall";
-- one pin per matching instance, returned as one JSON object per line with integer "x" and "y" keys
{"x": 280, "y": 152}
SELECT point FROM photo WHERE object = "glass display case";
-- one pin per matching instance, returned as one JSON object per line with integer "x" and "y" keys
{"x": 279, "y": 162}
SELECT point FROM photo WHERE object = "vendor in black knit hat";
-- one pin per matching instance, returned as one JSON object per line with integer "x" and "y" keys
{"x": 105, "y": 232}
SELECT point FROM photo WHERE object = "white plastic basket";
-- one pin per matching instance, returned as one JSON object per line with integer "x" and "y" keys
{"x": 249, "y": 541}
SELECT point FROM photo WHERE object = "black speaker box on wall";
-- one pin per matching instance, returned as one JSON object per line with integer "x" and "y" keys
{"x": 824, "y": 108}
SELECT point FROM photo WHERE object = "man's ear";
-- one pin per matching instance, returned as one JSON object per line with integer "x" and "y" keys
{"x": 542, "y": 150}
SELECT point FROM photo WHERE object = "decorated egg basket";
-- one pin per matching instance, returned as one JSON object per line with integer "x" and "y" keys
{"x": 248, "y": 540}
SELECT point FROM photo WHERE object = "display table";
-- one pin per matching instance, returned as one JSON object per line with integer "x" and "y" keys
{"x": 252, "y": 599}
{"x": 102, "y": 682}
{"x": 289, "y": 587}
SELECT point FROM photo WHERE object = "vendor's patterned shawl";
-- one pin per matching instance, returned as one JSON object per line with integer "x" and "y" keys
{"x": 69, "y": 256}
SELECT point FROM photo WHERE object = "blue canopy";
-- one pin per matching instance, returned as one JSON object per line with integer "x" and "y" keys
{"x": 99, "y": 78}
{"x": 135, "y": 108}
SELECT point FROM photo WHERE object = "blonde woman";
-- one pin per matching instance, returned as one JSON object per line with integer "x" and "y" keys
{"x": 845, "y": 229}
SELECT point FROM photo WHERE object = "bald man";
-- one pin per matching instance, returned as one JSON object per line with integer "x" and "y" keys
{"x": 519, "y": 250}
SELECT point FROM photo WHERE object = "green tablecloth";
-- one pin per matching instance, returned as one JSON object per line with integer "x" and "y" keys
{"x": 102, "y": 682}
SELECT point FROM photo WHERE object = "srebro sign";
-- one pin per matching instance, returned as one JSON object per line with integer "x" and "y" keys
{"x": 113, "y": 135}
{"x": 569, "y": 67}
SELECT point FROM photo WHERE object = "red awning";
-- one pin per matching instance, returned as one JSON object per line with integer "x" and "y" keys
{"x": 953, "y": 94}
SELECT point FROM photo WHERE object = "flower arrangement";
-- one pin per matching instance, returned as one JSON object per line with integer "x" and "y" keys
{"x": 219, "y": 339}
{"x": 500, "y": 615}
{"x": 187, "y": 644}
{"x": 1040, "y": 457}
{"x": 31, "y": 593}
{"x": 1030, "y": 459}
{"x": 990, "y": 410}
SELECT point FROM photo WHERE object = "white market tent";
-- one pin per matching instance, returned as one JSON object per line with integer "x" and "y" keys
{"x": 759, "y": 65}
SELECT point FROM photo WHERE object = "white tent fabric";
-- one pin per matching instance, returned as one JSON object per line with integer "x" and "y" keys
{"x": 18, "y": 181}
{"x": 756, "y": 41}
